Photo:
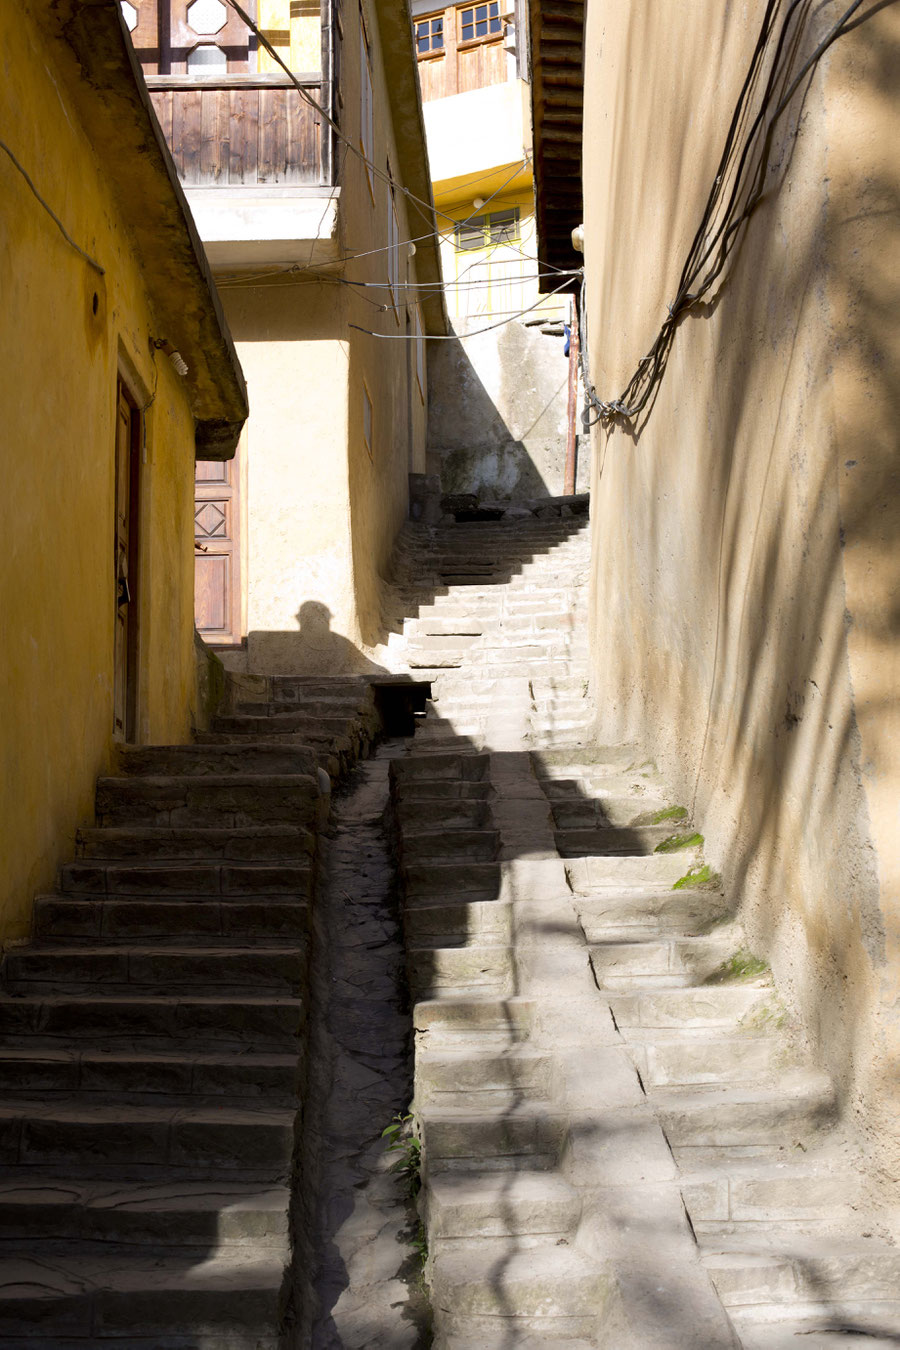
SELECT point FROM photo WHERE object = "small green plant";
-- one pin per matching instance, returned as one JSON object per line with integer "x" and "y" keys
{"x": 676, "y": 842}
{"x": 406, "y": 1144}
{"x": 668, "y": 813}
{"x": 419, "y": 1244}
{"x": 741, "y": 965}
{"x": 701, "y": 875}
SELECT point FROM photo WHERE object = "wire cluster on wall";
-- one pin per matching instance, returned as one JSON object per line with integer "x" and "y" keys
{"x": 737, "y": 189}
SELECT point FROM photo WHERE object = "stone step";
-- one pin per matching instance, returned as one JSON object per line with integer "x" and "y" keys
{"x": 461, "y": 970}
{"x": 269, "y": 1078}
{"x": 107, "y": 1298}
{"x": 697, "y": 1006}
{"x": 685, "y": 1060}
{"x": 436, "y": 925}
{"x": 165, "y": 879}
{"x": 524, "y": 1133}
{"x": 51, "y": 1133}
{"x": 416, "y": 816}
{"x": 423, "y": 791}
{"x": 659, "y": 961}
{"x": 518, "y": 1071}
{"x": 646, "y": 910}
{"x": 500, "y": 1204}
{"x": 426, "y": 882}
{"x": 217, "y": 761}
{"x": 250, "y": 920}
{"x": 36, "y": 969}
{"x": 615, "y": 841}
{"x": 54, "y": 1206}
{"x": 443, "y": 846}
{"x": 440, "y": 768}
{"x": 588, "y": 874}
{"x": 793, "y": 1189}
{"x": 153, "y": 1022}
{"x": 819, "y": 1324}
{"x": 491, "y": 1294}
{"x": 572, "y": 811}
{"x": 795, "y": 1112}
{"x": 783, "y": 1268}
{"x": 492, "y": 1021}
{"x": 217, "y": 800}
{"x": 165, "y": 841}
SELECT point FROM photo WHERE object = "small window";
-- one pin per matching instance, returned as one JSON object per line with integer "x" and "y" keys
{"x": 479, "y": 21}
{"x": 368, "y": 423}
{"x": 497, "y": 227}
{"x": 430, "y": 35}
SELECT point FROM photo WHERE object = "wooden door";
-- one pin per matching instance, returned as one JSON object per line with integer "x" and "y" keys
{"x": 217, "y": 555}
{"x": 125, "y": 564}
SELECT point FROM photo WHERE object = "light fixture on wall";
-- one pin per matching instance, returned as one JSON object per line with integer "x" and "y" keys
{"x": 178, "y": 362}
{"x": 478, "y": 203}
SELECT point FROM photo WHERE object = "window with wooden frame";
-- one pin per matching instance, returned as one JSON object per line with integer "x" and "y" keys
{"x": 462, "y": 48}
{"x": 366, "y": 102}
{"x": 368, "y": 424}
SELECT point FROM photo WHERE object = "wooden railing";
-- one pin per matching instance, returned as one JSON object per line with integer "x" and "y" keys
{"x": 240, "y": 130}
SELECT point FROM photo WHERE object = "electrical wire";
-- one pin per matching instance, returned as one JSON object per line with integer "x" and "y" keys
{"x": 713, "y": 244}
{"x": 51, "y": 213}
{"x": 456, "y": 337}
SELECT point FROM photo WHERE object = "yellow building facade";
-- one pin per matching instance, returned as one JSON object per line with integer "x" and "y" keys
{"x": 102, "y": 278}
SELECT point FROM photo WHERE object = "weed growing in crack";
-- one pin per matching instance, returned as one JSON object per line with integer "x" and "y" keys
{"x": 405, "y": 1142}
{"x": 668, "y": 813}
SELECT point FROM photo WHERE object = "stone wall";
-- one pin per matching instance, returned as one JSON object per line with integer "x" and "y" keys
{"x": 746, "y": 561}
{"x": 497, "y": 411}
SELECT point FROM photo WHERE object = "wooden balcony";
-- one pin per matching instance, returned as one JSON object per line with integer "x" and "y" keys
{"x": 244, "y": 129}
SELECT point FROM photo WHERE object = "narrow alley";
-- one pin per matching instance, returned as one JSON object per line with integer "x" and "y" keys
{"x": 450, "y": 685}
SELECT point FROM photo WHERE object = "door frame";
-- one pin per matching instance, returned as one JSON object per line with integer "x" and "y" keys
{"x": 125, "y": 392}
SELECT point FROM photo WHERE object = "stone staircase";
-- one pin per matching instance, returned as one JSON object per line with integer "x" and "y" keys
{"x": 624, "y": 1142}
{"x": 490, "y": 614}
{"x": 152, "y": 1039}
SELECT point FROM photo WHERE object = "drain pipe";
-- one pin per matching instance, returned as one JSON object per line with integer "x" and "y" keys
{"x": 572, "y": 413}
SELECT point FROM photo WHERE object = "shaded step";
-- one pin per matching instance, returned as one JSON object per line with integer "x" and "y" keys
{"x": 488, "y": 921}
{"x": 218, "y": 800}
{"x": 503, "y": 1020}
{"x": 68, "y": 917}
{"x": 587, "y": 874}
{"x": 438, "y": 881}
{"x": 470, "y": 768}
{"x": 157, "y": 1022}
{"x": 34, "y": 968}
{"x": 270, "y": 1078}
{"x": 177, "y": 1212}
{"x": 172, "y": 878}
{"x": 40, "y": 1133}
{"x": 176, "y": 761}
{"x": 440, "y": 846}
{"x": 158, "y": 842}
{"x": 484, "y": 1205}
{"x": 102, "y": 1298}
{"x": 448, "y": 813}
{"x": 617, "y": 841}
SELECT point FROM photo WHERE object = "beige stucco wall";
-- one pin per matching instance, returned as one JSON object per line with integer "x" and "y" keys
{"x": 321, "y": 513}
{"x": 746, "y": 568}
{"x": 58, "y": 369}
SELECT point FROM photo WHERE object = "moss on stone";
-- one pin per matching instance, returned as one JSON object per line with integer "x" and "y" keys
{"x": 676, "y": 842}
{"x": 700, "y": 876}
{"x": 668, "y": 813}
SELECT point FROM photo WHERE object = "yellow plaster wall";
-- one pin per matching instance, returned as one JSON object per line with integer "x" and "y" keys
{"x": 322, "y": 515}
{"x": 746, "y": 562}
{"x": 58, "y": 366}
{"x": 294, "y": 28}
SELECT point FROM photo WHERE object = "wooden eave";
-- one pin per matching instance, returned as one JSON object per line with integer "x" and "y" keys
{"x": 114, "y": 107}
{"x": 557, "y": 107}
